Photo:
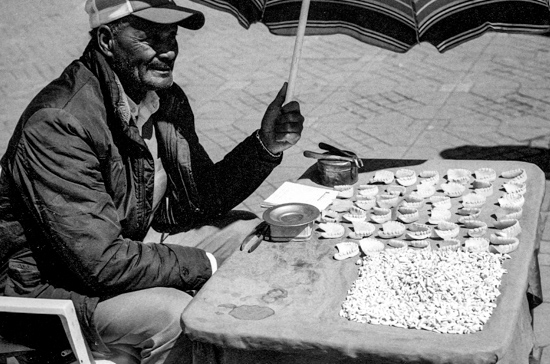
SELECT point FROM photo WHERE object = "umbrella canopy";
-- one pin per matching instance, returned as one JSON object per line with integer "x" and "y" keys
{"x": 396, "y": 25}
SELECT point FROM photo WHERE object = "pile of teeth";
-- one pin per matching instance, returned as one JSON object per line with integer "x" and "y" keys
{"x": 451, "y": 292}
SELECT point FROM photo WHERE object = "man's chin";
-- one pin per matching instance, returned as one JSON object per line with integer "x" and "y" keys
{"x": 160, "y": 83}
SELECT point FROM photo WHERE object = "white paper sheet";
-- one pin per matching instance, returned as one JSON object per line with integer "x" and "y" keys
{"x": 294, "y": 192}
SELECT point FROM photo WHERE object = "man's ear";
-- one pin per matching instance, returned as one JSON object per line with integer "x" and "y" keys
{"x": 105, "y": 40}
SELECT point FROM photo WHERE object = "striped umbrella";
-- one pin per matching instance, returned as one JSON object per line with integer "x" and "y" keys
{"x": 396, "y": 25}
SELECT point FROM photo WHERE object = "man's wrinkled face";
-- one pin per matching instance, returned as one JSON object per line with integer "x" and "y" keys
{"x": 144, "y": 55}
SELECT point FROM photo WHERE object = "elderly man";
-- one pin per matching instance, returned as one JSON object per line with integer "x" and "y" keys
{"x": 108, "y": 198}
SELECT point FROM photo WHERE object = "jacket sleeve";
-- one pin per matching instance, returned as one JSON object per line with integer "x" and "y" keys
{"x": 74, "y": 226}
{"x": 225, "y": 184}
{"x": 214, "y": 188}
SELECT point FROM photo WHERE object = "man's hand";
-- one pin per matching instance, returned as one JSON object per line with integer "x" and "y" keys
{"x": 281, "y": 125}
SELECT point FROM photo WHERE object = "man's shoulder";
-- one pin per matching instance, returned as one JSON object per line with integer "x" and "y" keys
{"x": 73, "y": 103}
{"x": 75, "y": 86}
{"x": 76, "y": 91}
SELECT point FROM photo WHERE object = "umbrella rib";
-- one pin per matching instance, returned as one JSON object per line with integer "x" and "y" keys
{"x": 261, "y": 6}
{"x": 415, "y": 16}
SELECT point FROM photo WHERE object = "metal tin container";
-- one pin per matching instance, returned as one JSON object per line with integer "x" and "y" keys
{"x": 334, "y": 173}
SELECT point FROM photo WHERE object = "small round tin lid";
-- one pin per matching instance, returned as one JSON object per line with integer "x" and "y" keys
{"x": 291, "y": 214}
{"x": 330, "y": 162}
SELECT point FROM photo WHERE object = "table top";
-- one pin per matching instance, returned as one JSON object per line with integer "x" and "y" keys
{"x": 286, "y": 297}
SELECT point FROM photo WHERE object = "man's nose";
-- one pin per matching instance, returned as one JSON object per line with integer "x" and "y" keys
{"x": 168, "y": 55}
{"x": 167, "y": 50}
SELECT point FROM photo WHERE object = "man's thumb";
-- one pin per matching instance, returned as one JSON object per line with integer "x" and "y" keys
{"x": 280, "y": 98}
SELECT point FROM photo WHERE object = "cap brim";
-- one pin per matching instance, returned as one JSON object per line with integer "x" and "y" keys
{"x": 173, "y": 14}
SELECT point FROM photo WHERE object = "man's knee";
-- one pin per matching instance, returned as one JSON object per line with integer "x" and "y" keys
{"x": 146, "y": 320}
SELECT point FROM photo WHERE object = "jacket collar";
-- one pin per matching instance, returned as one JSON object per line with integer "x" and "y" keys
{"x": 140, "y": 113}
{"x": 119, "y": 118}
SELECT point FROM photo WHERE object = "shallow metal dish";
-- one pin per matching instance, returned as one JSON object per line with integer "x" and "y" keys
{"x": 291, "y": 214}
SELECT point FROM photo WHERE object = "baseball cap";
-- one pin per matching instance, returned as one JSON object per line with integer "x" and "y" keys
{"x": 156, "y": 11}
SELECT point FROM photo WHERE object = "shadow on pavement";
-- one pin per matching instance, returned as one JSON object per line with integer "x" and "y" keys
{"x": 537, "y": 156}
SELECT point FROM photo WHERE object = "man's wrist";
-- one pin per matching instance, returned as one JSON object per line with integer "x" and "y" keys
{"x": 274, "y": 155}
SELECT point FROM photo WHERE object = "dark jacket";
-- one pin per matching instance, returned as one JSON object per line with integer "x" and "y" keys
{"x": 76, "y": 193}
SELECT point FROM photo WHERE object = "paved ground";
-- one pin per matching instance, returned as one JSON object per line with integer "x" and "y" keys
{"x": 489, "y": 98}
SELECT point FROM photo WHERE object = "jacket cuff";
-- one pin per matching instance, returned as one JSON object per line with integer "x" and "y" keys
{"x": 213, "y": 262}
{"x": 266, "y": 152}
{"x": 195, "y": 267}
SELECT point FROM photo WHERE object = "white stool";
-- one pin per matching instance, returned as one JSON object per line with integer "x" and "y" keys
{"x": 66, "y": 312}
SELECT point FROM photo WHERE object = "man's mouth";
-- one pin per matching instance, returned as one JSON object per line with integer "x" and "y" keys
{"x": 160, "y": 68}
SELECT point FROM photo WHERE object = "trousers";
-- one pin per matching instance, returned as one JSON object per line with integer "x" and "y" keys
{"x": 144, "y": 327}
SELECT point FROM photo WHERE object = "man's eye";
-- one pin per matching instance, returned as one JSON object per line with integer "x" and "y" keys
{"x": 142, "y": 38}
{"x": 171, "y": 36}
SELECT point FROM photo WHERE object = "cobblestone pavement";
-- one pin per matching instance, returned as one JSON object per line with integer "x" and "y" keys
{"x": 486, "y": 99}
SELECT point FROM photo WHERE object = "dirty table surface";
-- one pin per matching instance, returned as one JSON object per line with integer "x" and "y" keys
{"x": 281, "y": 303}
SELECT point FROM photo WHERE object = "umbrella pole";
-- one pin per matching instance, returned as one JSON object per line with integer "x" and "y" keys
{"x": 297, "y": 50}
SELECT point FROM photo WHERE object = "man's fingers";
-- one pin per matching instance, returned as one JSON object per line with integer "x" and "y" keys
{"x": 290, "y": 138}
{"x": 289, "y": 131}
{"x": 290, "y": 117}
{"x": 289, "y": 127}
{"x": 282, "y": 124}
{"x": 291, "y": 107}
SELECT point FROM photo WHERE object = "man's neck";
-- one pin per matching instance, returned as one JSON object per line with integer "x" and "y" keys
{"x": 135, "y": 95}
